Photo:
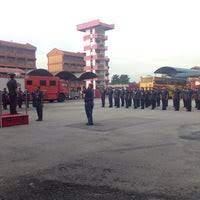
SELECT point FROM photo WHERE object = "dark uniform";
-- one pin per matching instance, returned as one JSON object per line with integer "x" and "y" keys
{"x": 176, "y": 99}
{"x": 12, "y": 88}
{"x": 138, "y": 98}
{"x": 103, "y": 96}
{"x": 127, "y": 98}
{"x": 89, "y": 105}
{"x": 158, "y": 92}
{"x": 164, "y": 98}
{"x": 39, "y": 104}
{"x": 117, "y": 93}
{"x": 147, "y": 98}
{"x": 122, "y": 96}
{"x": 153, "y": 99}
{"x": 189, "y": 94}
{"x": 20, "y": 98}
{"x": 198, "y": 99}
{"x": 195, "y": 97}
{"x": 33, "y": 98}
{"x": 134, "y": 96}
{"x": 110, "y": 97}
{"x": 115, "y": 97}
{"x": 142, "y": 98}
{"x": 130, "y": 96}
{"x": 5, "y": 99}
{"x": 184, "y": 97}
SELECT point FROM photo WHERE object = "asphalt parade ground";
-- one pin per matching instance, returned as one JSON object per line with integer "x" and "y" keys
{"x": 127, "y": 155}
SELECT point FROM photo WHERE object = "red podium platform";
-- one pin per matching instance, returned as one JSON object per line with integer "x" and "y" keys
{"x": 14, "y": 120}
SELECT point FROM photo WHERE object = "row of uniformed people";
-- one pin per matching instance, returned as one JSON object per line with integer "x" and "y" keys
{"x": 21, "y": 97}
{"x": 146, "y": 98}
{"x": 37, "y": 100}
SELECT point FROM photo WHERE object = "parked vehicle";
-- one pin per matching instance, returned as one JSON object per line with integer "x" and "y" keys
{"x": 53, "y": 87}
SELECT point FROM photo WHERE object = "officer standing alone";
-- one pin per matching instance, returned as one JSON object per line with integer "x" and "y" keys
{"x": 89, "y": 104}
{"x": 12, "y": 88}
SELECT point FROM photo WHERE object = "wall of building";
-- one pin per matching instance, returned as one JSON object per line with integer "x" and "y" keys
{"x": 16, "y": 57}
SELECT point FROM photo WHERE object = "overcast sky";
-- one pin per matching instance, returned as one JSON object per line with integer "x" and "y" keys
{"x": 148, "y": 33}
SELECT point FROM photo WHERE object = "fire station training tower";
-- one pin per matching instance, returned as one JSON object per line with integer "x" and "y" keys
{"x": 94, "y": 47}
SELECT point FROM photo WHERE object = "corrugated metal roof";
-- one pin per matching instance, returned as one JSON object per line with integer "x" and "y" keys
{"x": 178, "y": 72}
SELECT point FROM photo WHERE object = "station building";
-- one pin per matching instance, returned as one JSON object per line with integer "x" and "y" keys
{"x": 59, "y": 60}
{"x": 15, "y": 57}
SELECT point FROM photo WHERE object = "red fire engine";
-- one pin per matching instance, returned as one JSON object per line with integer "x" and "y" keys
{"x": 53, "y": 87}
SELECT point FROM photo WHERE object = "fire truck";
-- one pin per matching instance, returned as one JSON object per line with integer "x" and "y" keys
{"x": 53, "y": 87}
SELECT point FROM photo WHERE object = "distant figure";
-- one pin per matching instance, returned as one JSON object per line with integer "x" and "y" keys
{"x": 38, "y": 94}
{"x": 189, "y": 95}
{"x": 5, "y": 99}
{"x": 126, "y": 98}
{"x": 103, "y": 96}
{"x": 117, "y": 96}
{"x": 110, "y": 97}
{"x": 176, "y": 99}
{"x": 26, "y": 98}
{"x": 142, "y": 98}
{"x": 164, "y": 97}
{"x": 12, "y": 88}
{"x": 158, "y": 93}
{"x": 20, "y": 98}
{"x": 122, "y": 96}
{"x": 89, "y": 104}
{"x": 153, "y": 99}
{"x": 198, "y": 97}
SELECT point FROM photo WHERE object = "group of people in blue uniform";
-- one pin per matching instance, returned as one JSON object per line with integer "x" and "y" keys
{"x": 156, "y": 97}
{"x": 20, "y": 95}
{"x": 15, "y": 97}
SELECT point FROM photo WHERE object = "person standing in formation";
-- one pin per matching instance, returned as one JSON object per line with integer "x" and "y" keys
{"x": 127, "y": 98}
{"x": 5, "y": 99}
{"x": 142, "y": 98}
{"x": 176, "y": 99}
{"x": 189, "y": 94}
{"x": 122, "y": 96}
{"x": 110, "y": 97}
{"x": 103, "y": 96}
{"x": 164, "y": 97}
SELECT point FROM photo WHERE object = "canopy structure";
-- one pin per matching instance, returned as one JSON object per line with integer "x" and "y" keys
{"x": 181, "y": 73}
{"x": 39, "y": 72}
{"x": 4, "y": 70}
{"x": 87, "y": 75}
{"x": 68, "y": 76}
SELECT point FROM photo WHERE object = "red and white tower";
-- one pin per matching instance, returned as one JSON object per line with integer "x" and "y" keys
{"x": 94, "y": 47}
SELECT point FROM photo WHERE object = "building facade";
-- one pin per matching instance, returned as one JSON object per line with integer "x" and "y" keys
{"x": 59, "y": 60}
{"x": 16, "y": 55}
{"x": 94, "y": 46}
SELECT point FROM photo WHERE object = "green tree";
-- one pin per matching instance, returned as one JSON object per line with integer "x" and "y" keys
{"x": 115, "y": 79}
{"x": 124, "y": 79}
